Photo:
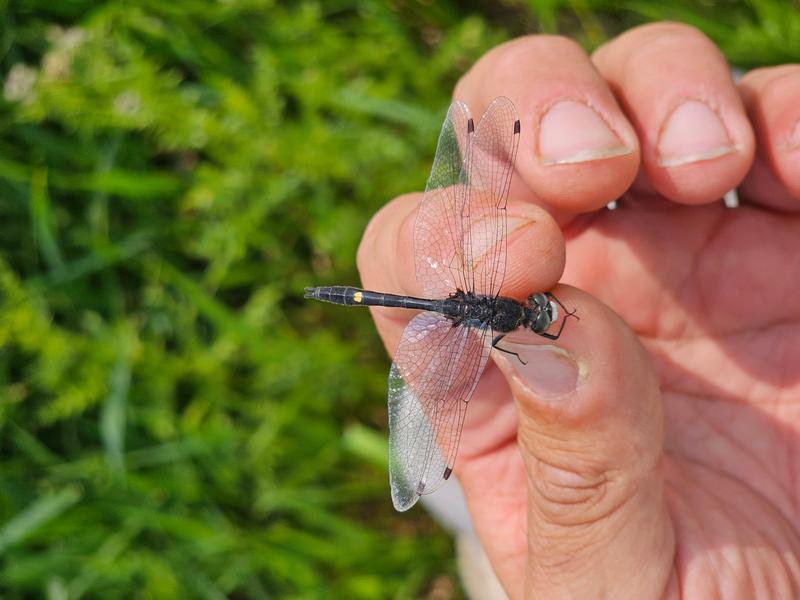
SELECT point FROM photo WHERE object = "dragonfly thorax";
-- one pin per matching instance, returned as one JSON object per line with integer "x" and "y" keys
{"x": 508, "y": 314}
{"x": 479, "y": 310}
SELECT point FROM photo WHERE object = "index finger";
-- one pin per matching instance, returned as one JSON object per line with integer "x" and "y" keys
{"x": 577, "y": 149}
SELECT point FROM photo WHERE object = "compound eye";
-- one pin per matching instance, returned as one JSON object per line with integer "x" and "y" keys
{"x": 542, "y": 322}
{"x": 539, "y": 300}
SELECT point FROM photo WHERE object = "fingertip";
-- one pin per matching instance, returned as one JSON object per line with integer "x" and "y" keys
{"x": 770, "y": 97}
{"x": 577, "y": 149}
{"x": 676, "y": 88}
{"x": 704, "y": 148}
{"x": 536, "y": 251}
{"x": 596, "y": 379}
{"x": 703, "y": 180}
{"x": 578, "y": 188}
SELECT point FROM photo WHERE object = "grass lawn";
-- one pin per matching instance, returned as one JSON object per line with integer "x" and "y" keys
{"x": 175, "y": 421}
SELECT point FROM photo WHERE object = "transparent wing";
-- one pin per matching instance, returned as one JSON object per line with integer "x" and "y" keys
{"x": 459, "y": 234}
{"x": 486, "y": 177}
{"x": 435, "y": 371}
{"x": 438, "y": 248}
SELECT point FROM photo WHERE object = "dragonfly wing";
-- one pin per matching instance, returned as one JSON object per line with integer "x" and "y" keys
{"x": 435, "y": 371}
{"x": 438, "y": 247}
{"x": 486, "y": 179}
{"x": 460, "y": 231}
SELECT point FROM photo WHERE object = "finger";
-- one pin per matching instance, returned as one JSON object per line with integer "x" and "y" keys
{"x": 577, "y": 150}
{"x": 590, "y": 435}
{"x": 676, "y": 88}
{"x": 770, "y": 96}
{"x": 535, "y": 257}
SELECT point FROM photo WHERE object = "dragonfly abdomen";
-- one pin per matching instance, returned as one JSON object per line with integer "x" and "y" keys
{"x": 352, "y": 296}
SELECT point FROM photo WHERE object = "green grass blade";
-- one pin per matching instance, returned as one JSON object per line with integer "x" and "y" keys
{"x": 37, "y": 515}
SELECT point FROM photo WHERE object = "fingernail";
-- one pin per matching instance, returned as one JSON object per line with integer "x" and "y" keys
{"x": 548, "y": 370}
{"x": 692, "y": 132}
{"x": 571, "y": 132}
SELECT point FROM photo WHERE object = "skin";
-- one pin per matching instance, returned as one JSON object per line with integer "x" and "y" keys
{"x": 669, "y": 466}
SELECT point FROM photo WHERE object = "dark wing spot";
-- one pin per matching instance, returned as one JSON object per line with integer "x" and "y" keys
{"x": 470, "y": 126}
{"x": 420, "y": 488}
{"x": 447, "y": 472}
{"x": 516, "y": 126}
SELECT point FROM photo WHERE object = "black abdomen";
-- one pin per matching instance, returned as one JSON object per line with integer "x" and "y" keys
{"x": 351, "y": 296}
{"x": 501, "y": 314}
{"x": 338, "y": 294}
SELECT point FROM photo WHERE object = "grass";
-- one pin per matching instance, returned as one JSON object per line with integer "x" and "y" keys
{"x": 174, "y": 420}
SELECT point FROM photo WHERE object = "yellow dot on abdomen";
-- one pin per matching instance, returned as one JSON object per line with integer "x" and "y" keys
{"x": 357, "y": 297}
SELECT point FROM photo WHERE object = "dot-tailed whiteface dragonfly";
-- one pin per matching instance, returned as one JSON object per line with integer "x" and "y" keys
{"x": 460, "y": 259}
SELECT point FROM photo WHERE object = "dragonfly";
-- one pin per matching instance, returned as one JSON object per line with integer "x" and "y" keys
{"x": 460, "y": 262}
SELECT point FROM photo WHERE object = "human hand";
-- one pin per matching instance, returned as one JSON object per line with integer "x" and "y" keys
{"x": 655, "y": 453}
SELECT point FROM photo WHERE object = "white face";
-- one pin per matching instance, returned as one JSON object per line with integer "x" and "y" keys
{"x": 553, "y": 312}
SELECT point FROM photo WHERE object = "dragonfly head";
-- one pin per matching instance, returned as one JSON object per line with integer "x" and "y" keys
{"x": 541, "y": 312}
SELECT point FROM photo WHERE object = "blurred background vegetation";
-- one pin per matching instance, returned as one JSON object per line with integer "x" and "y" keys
{"x": 174, "y": 420}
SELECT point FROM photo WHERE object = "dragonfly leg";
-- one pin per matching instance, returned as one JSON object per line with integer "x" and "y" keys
{"x": 552, "y": 336}
{"x": 567, "y": 314}
{"x": 496, "y": 341}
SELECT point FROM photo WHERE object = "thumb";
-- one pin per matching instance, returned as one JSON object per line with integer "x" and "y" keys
{"x": 591, "y": 434}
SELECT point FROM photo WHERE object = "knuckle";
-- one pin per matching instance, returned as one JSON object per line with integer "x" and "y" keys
{"x": 664, "y": 43}
{"x": 667, "y": 35}
{"x": 772, "y": 83}
{"x": 510, "y": 55}
{"x": 578, "y": 495}
{"x": 518, "y": 53}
